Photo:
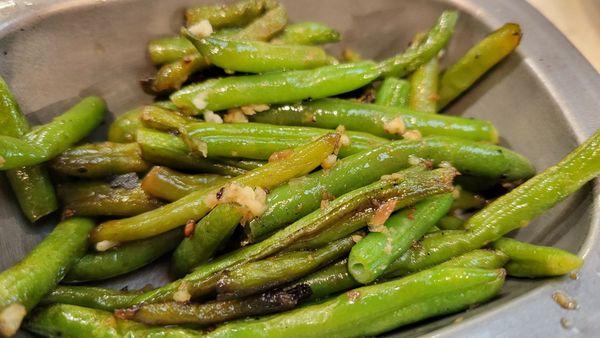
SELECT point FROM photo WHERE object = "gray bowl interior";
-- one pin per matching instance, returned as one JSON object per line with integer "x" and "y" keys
{"x": 59, "y": 51}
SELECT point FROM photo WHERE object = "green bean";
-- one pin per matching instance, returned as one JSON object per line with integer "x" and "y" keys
{"x": 375, "y": 309}
{"x": 172, "y": 75}
{"x": 169, "y": 150}
{"x": 424, "y": 87}
{"x": 393, "y": 92}
{"x": 100, "y": 159}
{"x": 118, "y": 261}
{"x": 259, "y": 141}
{"x": 194, "y": 206}
{"x": 62, "y": 320}
{"x": 236, "y": 14}
{"x": 388, "y": 122}
{"x": 123, "y": 128}
{"x": 262, "y": 275}
{"x": 276, "y": 87}
{"x": 529, "y": 260}
{"x": 164, "y": 119}
{"x": 450, "y": 223}
{"x": 122, "y": 196}
{"x": 478, "y": 60}
{"x": 31, "y": 185}
{"x": 374, "y": 253}
{"x": 209, "y": 234}
{"x": 25, "y": 283}
{"x": 510, "y": 211}
{"x": 258, "y": 56}
{"x": 218, "y": 311}
{"x": 434, "y": 41}
{"x": 336, "y": 277}
{"x": 49, "y": 140}
{"x": 307, "y": 33}
{"x": 89, "y": 296}
{"x": 171, "y": 185}
{"x": 404, "y": 190}
{"x": 166, "y": 50}
{"x": 480, "y": 258}
{"x": 298, "y": 198}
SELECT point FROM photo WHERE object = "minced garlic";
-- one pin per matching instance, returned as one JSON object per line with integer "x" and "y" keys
{"x": 395, "y": 126}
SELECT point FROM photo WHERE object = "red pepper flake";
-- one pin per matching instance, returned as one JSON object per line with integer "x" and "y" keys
{"x": 220, "y": 193}
{"x": 382, "y": 213}
{"x": 190, "y": 226}
{"x": 68, "y": 213}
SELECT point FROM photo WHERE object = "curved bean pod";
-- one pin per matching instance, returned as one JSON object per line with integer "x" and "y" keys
{"x": 376, "y": 120}
{"x": 478, "y": 60}
{"x": 529, "y": 260}
{"x": 49, "y": 140}
{"x": 25, "y": 283}
{"x": 307, "y": 33}
{"x": 170, "y": 185}
{"x": 32, "y": 185}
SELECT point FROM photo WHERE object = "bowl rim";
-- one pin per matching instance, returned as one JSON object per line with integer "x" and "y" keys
{"x": 572, "y": 85}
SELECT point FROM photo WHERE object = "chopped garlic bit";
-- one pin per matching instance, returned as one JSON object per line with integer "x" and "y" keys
{"x": 356, "y": 238}
{"x": 382, "y": 213}
{"x": 254, "y": 201}
{"x": 455, "y": 193}
{"x": 210, "y": 116}
{"x": 329, "y": 161}
{"x": 11, "y": 318}
{"x": 252, "y": 109}
{"x": 280, "y": 155}
{"x": 395, "y": 126}
{"x": 414, "y": 160}
{"x": 235, "y": 115}
{"x": 324, "y": 204}
{"x": 412, "y": 135}
{"x": 201, "y": 29}
{"x": 445, "y": 164}
{"x": 182, "y": 294}
{"x": 105, "y": 245}
{"x": 326, "y": 197}
{"x": 353, "y": 295}
{"x": 344, "y": 138}
{"x": 199, "y": 101}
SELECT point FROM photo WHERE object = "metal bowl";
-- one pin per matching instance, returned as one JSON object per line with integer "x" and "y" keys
{"x": 543, "y": 99}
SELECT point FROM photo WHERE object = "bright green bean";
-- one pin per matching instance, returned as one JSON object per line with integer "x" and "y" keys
{"x": 307, "y": 33}
{"x": 424, "y": 87}
{"x": 276, "y": 87}
{"x": 169, "y": 150}
{"x": 25, "y": 283}
{"x": 31, "y": 185}
{"x": 300, "y": 197}
{"x": 100, "y": 159}
{"x": 123, "y": 128}
{"x": 236, "y": 14}
{"x": 393, "y": 92}
{"x": 435, "y": 40}
{"x": 126, "y": 258}
{"x": 49, "y": 140}
{"x": 259, "y": 141}
{"x": 209, "y": 234}
{"x": 529, "y": 260}
{"x": 89, "y": 296}
{"x": 375, "y": 309}
{"x": 373, "y": 254}
{"x": 194, "y": 206}
{"x": 388, "y": 122}
{"x": 478, "y": 60}
{"x": 165, "y": 50}
{"x": 258, "y": 56}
